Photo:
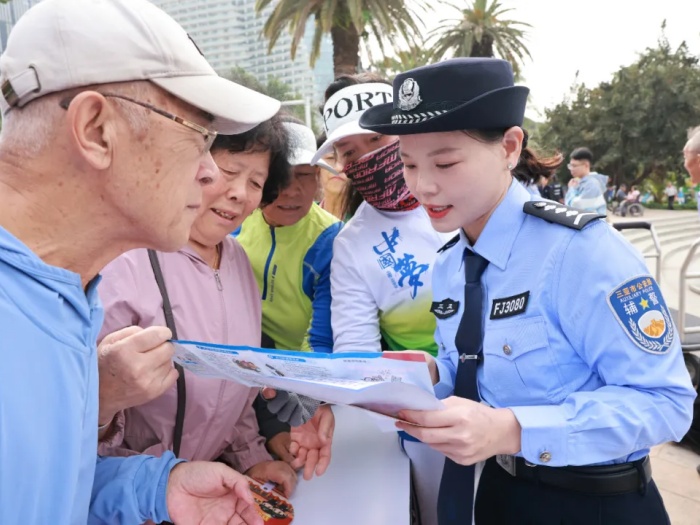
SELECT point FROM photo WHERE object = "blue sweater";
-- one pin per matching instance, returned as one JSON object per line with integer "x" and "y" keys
{"x": 49, "y": 469}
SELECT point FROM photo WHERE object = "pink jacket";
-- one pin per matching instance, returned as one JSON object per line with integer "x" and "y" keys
{"x": 214, "y": 306}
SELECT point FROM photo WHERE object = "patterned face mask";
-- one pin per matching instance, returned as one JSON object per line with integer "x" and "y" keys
{"x": 378, "y": 177}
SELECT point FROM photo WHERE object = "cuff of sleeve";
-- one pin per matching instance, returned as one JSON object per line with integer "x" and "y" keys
{"x": 165, "y": 464}
{"x": 445, "y": 386}
{"x": 544, "y": 437}
{"x": 244, "y": 462}
{"x": 115, "y": 436}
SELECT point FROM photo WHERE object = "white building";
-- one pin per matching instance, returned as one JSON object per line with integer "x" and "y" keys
{"x": 229, "y": 33}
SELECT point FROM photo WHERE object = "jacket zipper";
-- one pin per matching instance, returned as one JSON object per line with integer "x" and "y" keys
{"x": 267, "y": 263}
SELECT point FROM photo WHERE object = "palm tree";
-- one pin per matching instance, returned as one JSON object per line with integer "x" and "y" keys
{"x": 482, "y": 32}
{"x": 347, "y": 21}
{"x": 414, "y": 56}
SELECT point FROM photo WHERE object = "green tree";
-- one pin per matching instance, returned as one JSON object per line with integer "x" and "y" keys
{"x": 347, "y": 21}
{"x": 636, "y": 123}
{"x": 415, "y": 56}
{"x": 274, "y": 87}
{"x": 481, "y": 31}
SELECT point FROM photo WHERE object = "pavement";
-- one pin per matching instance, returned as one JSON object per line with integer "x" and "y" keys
{"x": 673, "y": 466}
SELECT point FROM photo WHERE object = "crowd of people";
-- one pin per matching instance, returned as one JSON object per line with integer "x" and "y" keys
{"x": 143, "y": 198}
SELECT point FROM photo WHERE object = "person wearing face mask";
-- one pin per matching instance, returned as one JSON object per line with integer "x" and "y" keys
{"x": 559, "y": 353}
{"x": 213, "y": 297}
{"x": 383, "y": 258}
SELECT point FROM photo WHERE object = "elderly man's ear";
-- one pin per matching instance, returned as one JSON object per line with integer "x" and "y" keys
{"x": 93, "y": 125}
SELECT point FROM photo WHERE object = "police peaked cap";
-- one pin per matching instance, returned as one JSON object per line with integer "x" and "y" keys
{"x": 456, "y": 94}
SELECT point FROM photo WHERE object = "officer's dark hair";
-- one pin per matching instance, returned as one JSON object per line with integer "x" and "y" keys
{"x": 530, "y": 166}
{"x": 270, "y": 136}
{"x": 582, "y": 154}
{"x": 350, "y": 199}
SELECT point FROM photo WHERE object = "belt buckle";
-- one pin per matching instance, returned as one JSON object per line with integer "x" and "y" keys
{"x": 507, "y": 463}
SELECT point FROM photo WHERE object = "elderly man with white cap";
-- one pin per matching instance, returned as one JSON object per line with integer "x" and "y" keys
{"x": 109, "y": 111}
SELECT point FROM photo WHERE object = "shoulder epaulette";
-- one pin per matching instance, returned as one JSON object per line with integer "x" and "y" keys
{"x": 450, "y": 243}
{"x": 560, "y": 214}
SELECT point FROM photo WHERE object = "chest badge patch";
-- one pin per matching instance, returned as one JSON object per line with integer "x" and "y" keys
{"x": 445, "y": 309}
{"x": 510, "y": 306}
{"x": 641, "y": 311}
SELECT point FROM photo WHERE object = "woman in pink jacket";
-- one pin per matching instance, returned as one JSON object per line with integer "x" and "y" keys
{"x": 214, "y": 298}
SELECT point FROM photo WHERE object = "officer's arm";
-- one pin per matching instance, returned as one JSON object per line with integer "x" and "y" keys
{"x": 446, "y": 370}
{"x": 646, "y": 398}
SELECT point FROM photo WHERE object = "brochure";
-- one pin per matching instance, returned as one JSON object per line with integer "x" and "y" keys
{"x": 383, "y": 383}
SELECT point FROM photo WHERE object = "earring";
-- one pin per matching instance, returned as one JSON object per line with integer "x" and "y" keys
{"x": 510, "y": 166}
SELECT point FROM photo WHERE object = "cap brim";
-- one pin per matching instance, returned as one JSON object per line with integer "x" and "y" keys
{"x": 301, "y": 157}
{"x": 500, "y": 108}
{"x": 346, "y": 130}
{"x": 236, "y": 109}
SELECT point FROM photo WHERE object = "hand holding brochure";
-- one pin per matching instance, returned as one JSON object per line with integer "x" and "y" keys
{"x": 383, "y": 383}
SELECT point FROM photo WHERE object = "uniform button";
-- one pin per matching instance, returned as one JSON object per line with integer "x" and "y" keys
{"x": 507, "y": 349}
{"x": 545, "y": 457}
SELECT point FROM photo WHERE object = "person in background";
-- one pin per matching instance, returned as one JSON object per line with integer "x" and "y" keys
{"x": 564, "y": 411}
{"x": 334, "y": 183}
{"x": 104, "y": 148}
{"x": 632, "y": 197}
{"x": 383, "y": 258}
{"x": 671, "y": 192}
{"x": 588, "y": 194}
{"x": 290, "y": 246}
{"x": 691, "y": 162}
{"x": 214, "y": 298}
{"x": 554, "y": 190}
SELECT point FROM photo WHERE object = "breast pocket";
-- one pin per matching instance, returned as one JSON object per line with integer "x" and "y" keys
{"x": 518, "y": 367}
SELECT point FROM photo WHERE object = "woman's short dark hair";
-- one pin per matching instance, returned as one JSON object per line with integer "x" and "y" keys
{"x": 530, "y": 165}
{"x": 270, "y": 136}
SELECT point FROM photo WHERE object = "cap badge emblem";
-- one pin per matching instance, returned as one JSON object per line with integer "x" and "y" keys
{"x": 409, "y": 95}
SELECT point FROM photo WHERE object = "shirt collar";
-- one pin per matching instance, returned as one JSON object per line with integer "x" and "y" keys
{"x": 496, "y": 240}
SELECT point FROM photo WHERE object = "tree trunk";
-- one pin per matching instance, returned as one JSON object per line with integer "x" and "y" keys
{"x": 346, "y": 49}
{"x": 483, "y": 48}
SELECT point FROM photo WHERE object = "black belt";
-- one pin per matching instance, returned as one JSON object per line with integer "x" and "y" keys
{"x": 622, "y": 478}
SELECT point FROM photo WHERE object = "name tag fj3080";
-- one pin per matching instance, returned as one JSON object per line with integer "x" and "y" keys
{"x": 510, "y": 306}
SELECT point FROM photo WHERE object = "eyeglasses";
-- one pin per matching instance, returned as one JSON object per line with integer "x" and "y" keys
{"x": 572, "y": 166}
{"x": 209, "y": 136}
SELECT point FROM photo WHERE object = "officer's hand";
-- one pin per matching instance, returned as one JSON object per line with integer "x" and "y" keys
{"x": 209, "y": 492}
{"x": 135, "y": 366}
{"x": 465, "y": 431}
{"x": 429, "y": 360}
{"x": 289, "y": 407}
{"x": 278, "y": 472}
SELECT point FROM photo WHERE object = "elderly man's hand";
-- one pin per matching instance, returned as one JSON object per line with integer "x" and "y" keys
{"x": 208, "y": 492}
{"x": 135, "y": 366}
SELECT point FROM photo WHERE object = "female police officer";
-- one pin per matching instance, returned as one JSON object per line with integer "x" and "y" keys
{"x": 544, "y": 313}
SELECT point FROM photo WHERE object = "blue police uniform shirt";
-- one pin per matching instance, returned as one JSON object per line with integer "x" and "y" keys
{"x": 565, "y": 319}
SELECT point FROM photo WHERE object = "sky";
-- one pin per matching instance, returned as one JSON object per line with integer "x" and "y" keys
{"x": 593, "y": 37}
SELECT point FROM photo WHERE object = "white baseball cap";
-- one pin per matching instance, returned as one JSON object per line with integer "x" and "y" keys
{"x": 304, "y": 146}
{"x": 342, "y": 112}
{"x": 65, "y": 44}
